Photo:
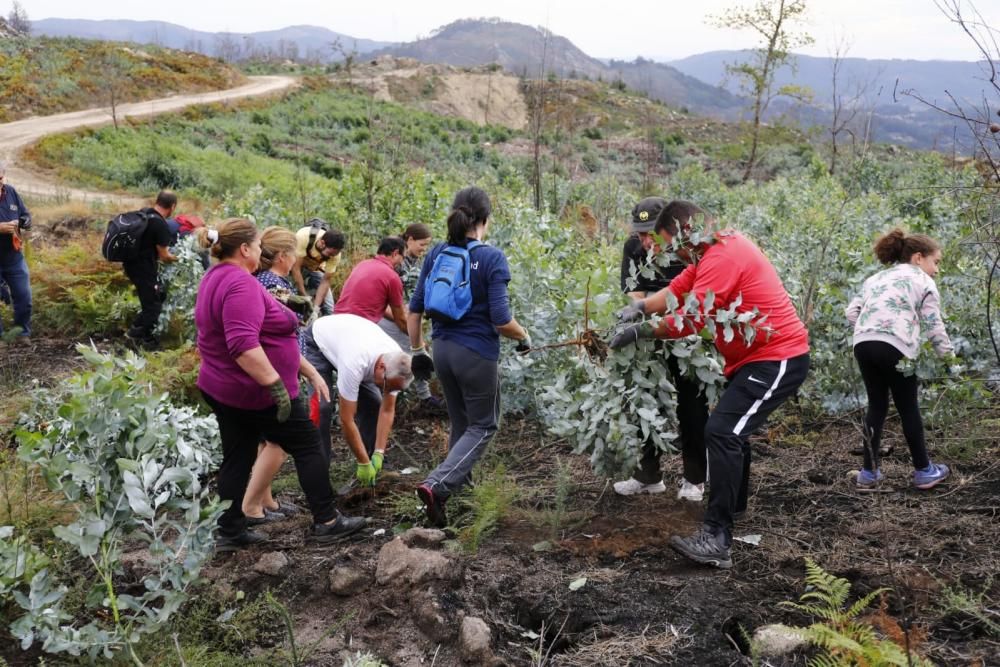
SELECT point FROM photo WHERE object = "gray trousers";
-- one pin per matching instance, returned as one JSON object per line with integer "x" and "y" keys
{"x": 369, "y": 401}
{"x": 472, "y": 391}
{"x": 420, "y": 388}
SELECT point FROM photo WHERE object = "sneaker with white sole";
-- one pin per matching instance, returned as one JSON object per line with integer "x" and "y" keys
{"x": 692, "y": 492}
{"x": 633, "y": 487}
{"x": 931, "y": 476}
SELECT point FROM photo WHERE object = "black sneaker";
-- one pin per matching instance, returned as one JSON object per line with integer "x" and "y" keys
{"x": 248, "y": 538}
{"x": 269, "y": 516}
{"x": 343, "y": 527}
{"x": 703, "y": 547}
{"x": 433, "y": 506}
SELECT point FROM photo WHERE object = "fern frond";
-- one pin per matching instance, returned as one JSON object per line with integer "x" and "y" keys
{"x": 864, "y": 602}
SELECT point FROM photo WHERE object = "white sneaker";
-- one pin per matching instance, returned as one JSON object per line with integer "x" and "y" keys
{"x": 632, "y": 487}
{"x": 692, "y": 492}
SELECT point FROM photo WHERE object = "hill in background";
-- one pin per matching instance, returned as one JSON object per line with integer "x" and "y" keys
{"x": 302, "y": 42}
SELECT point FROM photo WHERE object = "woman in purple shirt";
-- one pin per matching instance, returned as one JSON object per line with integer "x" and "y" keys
{"x": 250, "y": 363}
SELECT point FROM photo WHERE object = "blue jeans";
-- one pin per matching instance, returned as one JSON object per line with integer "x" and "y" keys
{"x": 14, "y": 271}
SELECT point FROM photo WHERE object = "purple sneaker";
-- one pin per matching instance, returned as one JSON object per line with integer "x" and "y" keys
{"x": 868, "y": 481}
{"x": 931, "y": 476}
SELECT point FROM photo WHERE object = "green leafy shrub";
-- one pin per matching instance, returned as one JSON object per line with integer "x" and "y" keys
{"x": 131, "y": 466}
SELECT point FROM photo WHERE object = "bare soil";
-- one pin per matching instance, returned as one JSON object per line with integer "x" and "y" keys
{"x": 642, "y": 604}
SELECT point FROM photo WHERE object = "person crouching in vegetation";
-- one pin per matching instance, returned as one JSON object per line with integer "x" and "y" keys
{"x": 249, "y": 376}
{"x": 762, "y": 373}
{"x": 417, "y": 239}
{"x": 692, "y": 406}
{"x": 895, "y": 306}
{"x": 277, "y": 257}
{"x": 463, "y": 288}
{"x": 14, "y": 219}
{"x": 317, "y": 255}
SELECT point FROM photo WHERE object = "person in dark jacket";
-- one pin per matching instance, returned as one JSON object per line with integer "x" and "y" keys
{"x": 14, "y": 219}
{"x": 144, "y": 270}
{"x": 692, "y": 406}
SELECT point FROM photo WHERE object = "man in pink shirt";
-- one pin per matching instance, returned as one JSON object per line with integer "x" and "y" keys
{"x": 726, "y": 268}
{"x": 374, "y": 286}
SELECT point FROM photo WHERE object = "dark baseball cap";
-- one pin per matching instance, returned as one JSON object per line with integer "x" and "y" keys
{"x": 645, "y": 213}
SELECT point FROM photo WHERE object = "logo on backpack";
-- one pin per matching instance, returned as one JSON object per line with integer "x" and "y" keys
{"x": 447, "y": 288}
{"x": 124, "y": 235}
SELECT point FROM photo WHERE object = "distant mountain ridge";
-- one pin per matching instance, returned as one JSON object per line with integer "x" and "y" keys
{"x": 521, "y": 49}
{"x": 302, "y": 42}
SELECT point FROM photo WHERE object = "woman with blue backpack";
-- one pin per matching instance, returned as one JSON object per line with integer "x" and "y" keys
{"x": 462, "y": 288}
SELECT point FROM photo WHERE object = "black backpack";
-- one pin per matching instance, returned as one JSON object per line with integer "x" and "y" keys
{"x": 124, "y": 235}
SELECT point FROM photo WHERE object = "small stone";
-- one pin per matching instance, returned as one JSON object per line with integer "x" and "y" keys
{"x": 431, "y": 619}
{"x": 348, "y": 581}
{"x": 475, "y": 639}
{"x": 273, "y": 563}
{"x": 777, "y": 640}
{"x": 423, "y": 537}
{"x": 994, "y": 127}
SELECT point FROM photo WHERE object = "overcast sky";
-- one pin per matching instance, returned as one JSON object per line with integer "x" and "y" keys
{"x": 624, "y": 29}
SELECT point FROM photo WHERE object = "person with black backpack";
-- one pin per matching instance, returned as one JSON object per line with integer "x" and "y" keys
{"x": 143, "y": 267}
{"x": 463, "y": 289}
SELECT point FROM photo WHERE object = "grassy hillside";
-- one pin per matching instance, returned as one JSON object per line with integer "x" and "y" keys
{"x": 45, "y": 75}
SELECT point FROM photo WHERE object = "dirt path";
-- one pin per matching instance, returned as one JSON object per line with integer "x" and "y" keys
{"x": 19, "y": 134}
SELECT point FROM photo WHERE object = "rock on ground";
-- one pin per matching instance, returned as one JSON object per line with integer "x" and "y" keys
{"x": 398, "y": 564}
{"x": 272, "y": 563}
{"x": 423, "y": 537}
{"x": 777, "y": 640}
{"x": 431, "y": 619}
{"x": 475, "y": 639}
{"x": 348, "y": 581}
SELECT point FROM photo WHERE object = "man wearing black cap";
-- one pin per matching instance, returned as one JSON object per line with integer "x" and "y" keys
{"x": 692, "y": 407}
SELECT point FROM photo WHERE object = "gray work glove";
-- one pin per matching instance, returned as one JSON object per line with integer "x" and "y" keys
{"x": 422, "y": 365}
{"x": 631, "y": 335}
{"x": 524, "y": 345}
{"x": 281, "y": 400}
{"x": 634, "y": 312}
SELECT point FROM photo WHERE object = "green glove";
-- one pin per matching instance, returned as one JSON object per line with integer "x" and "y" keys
{"x": 365, "y": 473}
{"x": 377, "y": 460}
{"x": 281, "y": 399}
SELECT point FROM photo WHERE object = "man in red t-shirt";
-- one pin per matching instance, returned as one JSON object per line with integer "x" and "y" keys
{"x": 724, "y": 268}
{"x": 374, "y": 285}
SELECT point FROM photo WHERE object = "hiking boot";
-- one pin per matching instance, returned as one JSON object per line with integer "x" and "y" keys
{"x": 433, "y": 506}
{"x": 269, "y": 516}
{"x": 931, "y": 476}
{"x": 343, "y": 527}
{"x": 868, "y": 481}
{"x": 633, "y": 487}
{"x": 248, "y": 538}
{"x": 705, "y": 547}
{"x": 692, "y": 492}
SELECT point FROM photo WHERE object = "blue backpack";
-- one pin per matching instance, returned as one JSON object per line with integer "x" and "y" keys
{"x": 447, "y": 288}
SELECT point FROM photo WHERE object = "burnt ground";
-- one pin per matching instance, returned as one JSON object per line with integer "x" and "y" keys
{"x": 642, "y": 604}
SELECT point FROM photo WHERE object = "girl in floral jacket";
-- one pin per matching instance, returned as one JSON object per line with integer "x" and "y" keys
{"x": 896, "y": 307}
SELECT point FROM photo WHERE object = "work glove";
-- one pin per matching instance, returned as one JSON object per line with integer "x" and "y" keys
{"x": 377, "y": 458}
{"x": 631, "y": 335}
{"x": 634, "y": 312}
{"x": 281, "y": 399}
{"x": 422, "y": 364}
{"x": 524, "y": 345}
{"x": 365, "y": 473}
{"x": 300, "y": 305}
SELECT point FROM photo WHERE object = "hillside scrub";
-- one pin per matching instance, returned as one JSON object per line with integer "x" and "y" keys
{"x": 48, "y": 75}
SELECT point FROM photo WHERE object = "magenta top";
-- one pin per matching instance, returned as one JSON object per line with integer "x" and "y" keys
{"x": 234, "y": 313}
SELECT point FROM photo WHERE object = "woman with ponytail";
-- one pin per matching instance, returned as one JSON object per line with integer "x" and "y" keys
{"x": 466, "y": 348}
{"x": 249, "y": 376}
{"x": 896, "y": 307}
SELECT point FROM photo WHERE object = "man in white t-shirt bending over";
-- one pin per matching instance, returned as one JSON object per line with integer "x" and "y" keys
{"x": 371, "y": 369}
